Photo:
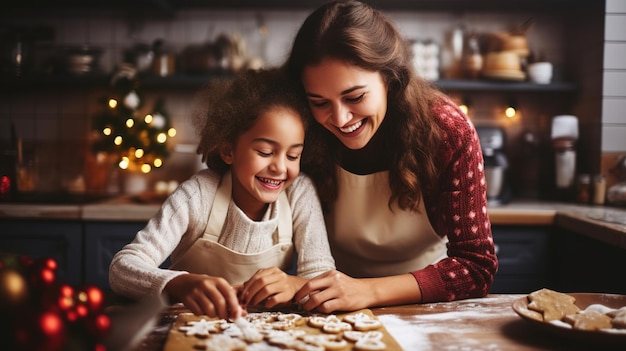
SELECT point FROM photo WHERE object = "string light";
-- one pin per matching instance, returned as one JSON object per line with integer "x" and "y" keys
{"x": 161, "y": 138}
{"x": 510, "y": 112}
{"x": 464, "y": 108}
{"x": 146, "y": 168}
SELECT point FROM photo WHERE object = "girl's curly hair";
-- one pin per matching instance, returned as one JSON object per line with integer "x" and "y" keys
{"x": 227, "y": 108}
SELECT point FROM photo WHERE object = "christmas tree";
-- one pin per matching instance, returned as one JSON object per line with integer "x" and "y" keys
{"x": 134, "y": 141}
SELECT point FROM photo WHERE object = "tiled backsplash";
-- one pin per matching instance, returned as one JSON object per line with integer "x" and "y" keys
{"x": 55, "y": 123}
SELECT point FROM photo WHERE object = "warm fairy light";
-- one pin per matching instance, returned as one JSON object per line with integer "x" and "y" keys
{"x": 510, "y": 112}
{"x": 464, "y": 108}
{"x": 161, "y": 138}
{"x": 157, "y": 162}
{"x": 171, "y": 132}
{"x": 124, "y": 163}
{"x": 112, "y": 103}
{"x": 130, "y": 122}
{"x": 139, "y": 153}
{"x": 82, "y": 296}
{"x": 107, "y": 131}
{"x": 148, "y": 119}
{"x": 146, "y": 168}
{"x": 118, "y": 140}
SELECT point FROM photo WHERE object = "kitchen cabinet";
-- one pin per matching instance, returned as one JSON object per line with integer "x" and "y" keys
{"x": 57, "y": 239}
{"x": 102, "y": 241}
{"x": 82, "y": 249}
{"x": 585, "y": 264}
{"x": 523, "y": 258}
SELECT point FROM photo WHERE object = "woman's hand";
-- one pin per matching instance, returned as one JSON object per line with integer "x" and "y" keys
{"x": 334, "y": 291}
{"x": 205, "y": 295}
{"x": 270, "y": 287}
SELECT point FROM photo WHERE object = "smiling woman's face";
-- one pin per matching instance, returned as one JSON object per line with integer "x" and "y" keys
{"x": 348, "y": 101}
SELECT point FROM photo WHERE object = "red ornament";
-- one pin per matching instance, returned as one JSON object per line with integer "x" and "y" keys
{"x": 66, "y": 290}
{"x": 47, "y": 276}
{"x": 82, "y": 311}
{"x": 51, "y": 324}
{"x": 51, "y": 264}
{"x": 100, "y": 325}
{"x": 95, "y": 298}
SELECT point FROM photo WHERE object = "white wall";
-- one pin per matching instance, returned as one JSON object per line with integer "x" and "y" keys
{"x": 614, "y": 78}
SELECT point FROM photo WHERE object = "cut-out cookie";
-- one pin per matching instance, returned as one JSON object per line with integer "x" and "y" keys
{"x": 201, "y": 328}
{"x": 588, "y": 320}
{"x": 552, "y": 304}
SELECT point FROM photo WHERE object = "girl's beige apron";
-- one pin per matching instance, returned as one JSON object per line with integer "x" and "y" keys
{"x": 207, "y": 256}
{"x": 370, "y": 240}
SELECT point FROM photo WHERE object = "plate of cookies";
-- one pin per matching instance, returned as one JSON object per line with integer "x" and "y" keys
{"x": 578, "y": 316}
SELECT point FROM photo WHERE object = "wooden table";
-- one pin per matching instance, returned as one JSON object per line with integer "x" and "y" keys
{"x": 488, "y": 324}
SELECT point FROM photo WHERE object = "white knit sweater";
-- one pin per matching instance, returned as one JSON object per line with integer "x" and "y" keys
{"x": 134, "y": 271}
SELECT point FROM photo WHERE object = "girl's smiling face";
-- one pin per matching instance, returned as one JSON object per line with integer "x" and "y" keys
{"x": 348, "y": 101}
{"x": 265, "y": 159}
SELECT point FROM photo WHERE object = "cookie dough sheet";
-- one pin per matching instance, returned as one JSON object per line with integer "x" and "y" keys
{"x": 179, "y": 340}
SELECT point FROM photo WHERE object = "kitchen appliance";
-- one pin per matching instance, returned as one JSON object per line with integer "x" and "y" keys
{"x": 564, "y": 135}
{"x": 492, "y": 144}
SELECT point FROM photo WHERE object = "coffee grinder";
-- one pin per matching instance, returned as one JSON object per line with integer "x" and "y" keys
{"x": 495, "y": 162}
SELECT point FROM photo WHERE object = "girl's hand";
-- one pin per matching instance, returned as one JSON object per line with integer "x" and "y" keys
{"x": 334, "y": 291}
{"x": 270, "y": 287}
{"x": 205, "y": 295}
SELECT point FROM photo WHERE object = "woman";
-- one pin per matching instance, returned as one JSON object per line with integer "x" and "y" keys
{"x": 397, "y": 165}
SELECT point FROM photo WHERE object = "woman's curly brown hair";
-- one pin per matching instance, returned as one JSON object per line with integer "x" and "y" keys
{"x": 356, "y": 33}
{"x": 227, "y": 108}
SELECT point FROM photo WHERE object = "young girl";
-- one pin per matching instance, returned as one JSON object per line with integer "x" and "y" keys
{"x": 232, "y": 228}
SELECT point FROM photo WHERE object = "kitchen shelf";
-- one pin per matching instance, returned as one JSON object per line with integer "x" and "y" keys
{"x": 170, "y": 7}
{"x": 509, "y": 86}
{"x": 183, "y": 81}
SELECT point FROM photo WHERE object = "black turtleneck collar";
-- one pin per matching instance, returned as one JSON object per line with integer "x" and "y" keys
{"x": 374, "y": 157}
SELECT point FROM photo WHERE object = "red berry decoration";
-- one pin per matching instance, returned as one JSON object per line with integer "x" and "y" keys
{"x": 95, "y": 298}
{"x": 40, "y": 313}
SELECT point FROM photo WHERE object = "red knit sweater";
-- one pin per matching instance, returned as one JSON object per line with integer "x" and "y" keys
{"x": 458, "y": 210}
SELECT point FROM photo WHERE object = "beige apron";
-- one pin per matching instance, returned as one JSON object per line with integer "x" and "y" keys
{"x": 207, "y": 256}
{"x": 370, "y": 240}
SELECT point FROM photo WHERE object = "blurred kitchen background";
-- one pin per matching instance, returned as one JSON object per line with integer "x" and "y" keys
{"x": 58, "y": 58}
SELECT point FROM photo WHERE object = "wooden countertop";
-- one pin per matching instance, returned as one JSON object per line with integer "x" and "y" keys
{"x": 604, "y": 223}
{"x": 488, "y": 323}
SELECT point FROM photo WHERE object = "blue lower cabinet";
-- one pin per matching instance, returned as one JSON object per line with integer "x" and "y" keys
{"x": 523, "y": 258}
{"x": 102, "y": 241}
{"x": 57, "y": 239}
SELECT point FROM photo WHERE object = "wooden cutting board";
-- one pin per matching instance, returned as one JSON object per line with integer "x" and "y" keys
{"x": 177, "y": 340}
